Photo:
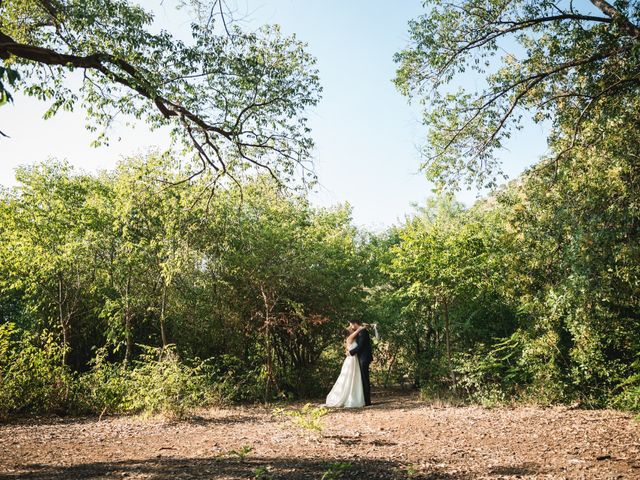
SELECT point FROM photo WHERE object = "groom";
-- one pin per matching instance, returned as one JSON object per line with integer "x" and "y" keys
{"x": 363, "y": 350}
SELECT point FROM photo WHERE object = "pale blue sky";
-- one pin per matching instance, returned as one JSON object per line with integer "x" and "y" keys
{"x": 367, "y": 136}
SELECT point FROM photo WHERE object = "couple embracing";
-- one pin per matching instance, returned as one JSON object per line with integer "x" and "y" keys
{"x": 352, "y": 389}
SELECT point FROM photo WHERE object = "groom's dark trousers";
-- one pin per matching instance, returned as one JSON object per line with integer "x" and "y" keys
{"x": 363, "y": 350}
{"x": 366, "y": 385}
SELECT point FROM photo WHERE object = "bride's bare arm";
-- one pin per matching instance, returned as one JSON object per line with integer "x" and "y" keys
{"x": 353, "y": 336}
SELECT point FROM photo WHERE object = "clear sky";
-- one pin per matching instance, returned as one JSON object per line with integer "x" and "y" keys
{"x": 367, "y": 136}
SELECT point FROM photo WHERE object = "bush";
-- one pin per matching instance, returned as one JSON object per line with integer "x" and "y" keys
{"x": 33, "y": 380}
{"x": 103, "y": 389}
{"x": 491, "y": 375}
{"x": 160, "y": 383}
{"x": 541, "y": 359}
{"x": 236, "y": 381}
{"x": 628, "y": 397}
{"x": 32, "y": 376}
{"x": 157, "y": 383}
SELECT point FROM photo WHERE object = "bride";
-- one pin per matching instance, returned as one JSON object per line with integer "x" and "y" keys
{"x": 348, "y": 391}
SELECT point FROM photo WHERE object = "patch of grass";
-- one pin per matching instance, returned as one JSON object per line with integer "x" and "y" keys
{"x": 412, "y": 470}
{"x": 336, "y": 470}
{"x": 262, "y": 473}
{"x": 241, "y": 453}
{"x": 308, "y": 417}
{"x": 441, "y": 398}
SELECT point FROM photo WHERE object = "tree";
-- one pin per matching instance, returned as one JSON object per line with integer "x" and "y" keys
{"x": 574, "y": 268}
{"x": 230, "y": 97}
{"x": 140, "y": 244}
{"x": 446, "y": 268}
{"x": 49, "y": 248}
{"x": 289, "y": 273}
{"x": 566, "y": 63}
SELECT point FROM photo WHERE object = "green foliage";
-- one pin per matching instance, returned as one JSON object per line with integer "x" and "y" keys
{"x": 628, "y": 397}
{"x": 11, "y": 76}
{"x": 492, "y": 375}
{"x": 567, "y": 241}
{"x": 33, "y": 378}
{"x": 160, "y": 383}
{"x": 241, "y": 453}
{"x": 157, "y": 383}
{"x": 412, "y": 470}
{"x": 236, "y": 381}
{"x": 228, "y": 97}
{"x": 253, "y": 282}
{"x": 336, "y": 470}
{"x": 530, "y": 295}
{"x": 442, "y": 271}
{"x": 262, "y": 473}
{"x": 104, "y": 388}
{"x": 538, "y": 285}
{"x": 308, "y": 417}
{"x": 565, "y": 64}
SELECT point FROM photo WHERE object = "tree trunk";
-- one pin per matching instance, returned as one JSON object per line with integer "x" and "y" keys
{"x": 127, "y": 323}
{"x": 417, "y": 378}
{"x": 64, "y": 323}
{"x": 387, "y": 377}
{"x": 162, "y": 313}
{"x": 447, "y": 334}
{"x": 268, "y": 344}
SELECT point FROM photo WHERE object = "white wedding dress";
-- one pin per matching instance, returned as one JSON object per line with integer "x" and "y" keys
{"x": 347, "y": 391}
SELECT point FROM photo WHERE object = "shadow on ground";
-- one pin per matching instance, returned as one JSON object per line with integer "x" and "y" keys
{"x": 219, "y": 468}
{"x": 527, "y": 468}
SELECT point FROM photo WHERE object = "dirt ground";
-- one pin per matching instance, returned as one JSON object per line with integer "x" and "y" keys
{"x": 397, "y": 438}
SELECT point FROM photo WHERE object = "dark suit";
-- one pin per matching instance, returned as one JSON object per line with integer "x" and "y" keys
{"x": 363, "y": 350}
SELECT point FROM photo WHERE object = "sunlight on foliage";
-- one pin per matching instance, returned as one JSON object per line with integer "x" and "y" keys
{"x": 308, "y": 417}
{"x": 336, "y": 470}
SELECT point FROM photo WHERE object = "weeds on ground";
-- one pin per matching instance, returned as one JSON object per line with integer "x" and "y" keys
{"x": 336, "y": 470}
{"x": 308, "y": 417}
{"x": 262, "y": 473}
{"x": 440, "y": 398}
{"x": 241, "y": 452}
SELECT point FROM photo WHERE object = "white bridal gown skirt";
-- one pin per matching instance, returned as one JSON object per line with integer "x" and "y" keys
{"x": 347, "y": 391}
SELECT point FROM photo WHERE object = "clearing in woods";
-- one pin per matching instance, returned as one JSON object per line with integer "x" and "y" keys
{"x": 397, "y": 438}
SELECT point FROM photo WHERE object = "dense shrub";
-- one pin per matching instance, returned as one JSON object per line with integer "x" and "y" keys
{"x": 32, "y": 376}
{"x": 469, "y": 301}
{"x": 33, "y": 380}
{"x": 161, "y": 383}
{"x": 104, "y": 388}
{"x": 516, "y": 368}
{"x": 628, "y": 396}
{"x": 157, "y": 383}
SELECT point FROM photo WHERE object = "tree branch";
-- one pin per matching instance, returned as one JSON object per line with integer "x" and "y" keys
{"x": 99, "y": 62}
{"x": 619, "y": 19}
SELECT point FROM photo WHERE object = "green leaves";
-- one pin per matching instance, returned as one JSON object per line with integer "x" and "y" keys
{"x": 11, "y": 77}
{"x": 138, "y": 257}
{"x": 543, "y": 60}
{"x": 308, "y": 417}
{"x": 234, "y": 101}
{"x": 442, "y": 252}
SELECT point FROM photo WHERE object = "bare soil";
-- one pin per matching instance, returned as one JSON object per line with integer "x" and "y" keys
{"x": 399, "y": 437}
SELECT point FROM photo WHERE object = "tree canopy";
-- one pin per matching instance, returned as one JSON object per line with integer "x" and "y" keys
{"x": 120, "y": 294}
{"x": 568, "y": 63}
{"x": 235, "y": 99}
